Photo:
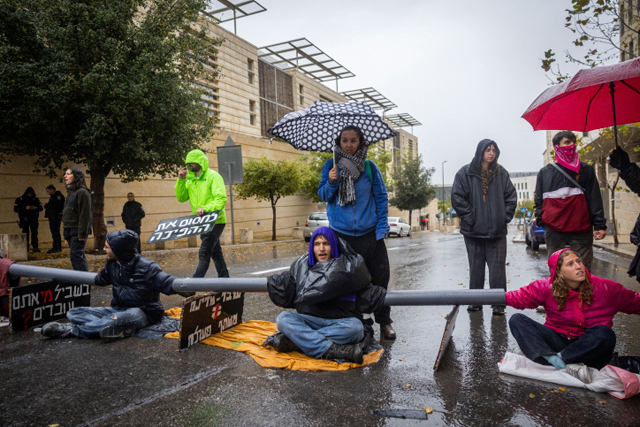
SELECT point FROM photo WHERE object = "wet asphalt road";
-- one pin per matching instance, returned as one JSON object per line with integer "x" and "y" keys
{"x": 138, "y": 382}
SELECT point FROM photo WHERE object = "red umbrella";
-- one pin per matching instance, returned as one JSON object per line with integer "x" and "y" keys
{"x": 594, "y": 98}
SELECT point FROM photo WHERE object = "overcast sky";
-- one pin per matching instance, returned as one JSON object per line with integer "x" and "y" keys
{"x": 465, "y": 69}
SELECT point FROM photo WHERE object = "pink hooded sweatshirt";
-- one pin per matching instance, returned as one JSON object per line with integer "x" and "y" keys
{"x": 609, "y": 297}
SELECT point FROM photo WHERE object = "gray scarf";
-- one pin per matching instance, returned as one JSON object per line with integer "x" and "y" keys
{"x": 350, "y": 169}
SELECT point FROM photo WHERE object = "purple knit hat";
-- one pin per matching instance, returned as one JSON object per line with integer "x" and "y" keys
{"x": 331, "y": 237}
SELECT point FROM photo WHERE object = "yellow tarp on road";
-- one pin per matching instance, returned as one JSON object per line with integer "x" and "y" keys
{"x": 249, "y": 336}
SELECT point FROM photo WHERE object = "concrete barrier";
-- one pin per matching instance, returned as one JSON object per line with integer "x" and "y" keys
{"x": 170, "y": 244}
{"x": 14, "y": 245}
{"x": 225, "y": 237}
{"x": 245, "y": 235}
{"x": 298, "y": 233}
{"x": 192, "y": 241}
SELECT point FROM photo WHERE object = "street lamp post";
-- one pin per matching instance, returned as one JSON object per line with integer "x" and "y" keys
{"x": 443, "y": 191}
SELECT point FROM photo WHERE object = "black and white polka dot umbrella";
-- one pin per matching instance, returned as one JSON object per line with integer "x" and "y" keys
{"x": 317, "y": 127}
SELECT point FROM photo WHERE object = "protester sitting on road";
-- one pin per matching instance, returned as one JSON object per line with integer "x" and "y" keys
{"x": 357, "y": 207}
{"x": 630, "y": 173}
{"x": 330, "y": 287}
{"x": 485, "y": 200}
{"x": 580, "y": 308}
{"x": 137, "y": 283}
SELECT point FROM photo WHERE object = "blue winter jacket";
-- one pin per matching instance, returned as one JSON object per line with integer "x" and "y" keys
{"x": 368, "y": 213}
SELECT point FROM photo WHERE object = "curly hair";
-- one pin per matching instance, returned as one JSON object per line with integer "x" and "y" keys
{"x": 357, "y": 130}
{"x": 560, "y": 288}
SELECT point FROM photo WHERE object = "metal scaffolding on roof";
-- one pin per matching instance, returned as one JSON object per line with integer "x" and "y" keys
{"x": 240, "y": 9}
{"x": 301, "y": 54}
{"x": 403, "y": 120}
{"x": 375, "y": 99}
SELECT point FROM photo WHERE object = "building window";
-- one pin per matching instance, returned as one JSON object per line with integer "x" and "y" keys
{"x": 252, "y": 116}
{"x": 250, "y": 72}
{"x": 525, "y": 185}
{"x": 301, "y": 94}
{"x": 623, "y": 56}
{"x": 631, "y": 52}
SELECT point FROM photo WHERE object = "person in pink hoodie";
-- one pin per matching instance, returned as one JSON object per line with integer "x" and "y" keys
{"x": 580, "y": 308}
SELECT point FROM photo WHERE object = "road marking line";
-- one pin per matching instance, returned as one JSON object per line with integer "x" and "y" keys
{"x": 270, "y": 271}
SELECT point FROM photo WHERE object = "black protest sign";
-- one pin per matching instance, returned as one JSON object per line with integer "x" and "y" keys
{"x": 39, "y": 303}
{"x": 208, "y": 314}
{"x": 185, "y": 226}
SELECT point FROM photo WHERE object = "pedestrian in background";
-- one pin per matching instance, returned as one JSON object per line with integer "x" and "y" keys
{"x": 28, "y": 208}
{"x": 53, "y": 212}
{"x": 76, "y": 217}
{"x": 357, "y": 207}
{"x": 204, "y": 189}
{"x": 132, "y": 214}
{"x": 485, "y": 200}
{"x": 567, "y": 201}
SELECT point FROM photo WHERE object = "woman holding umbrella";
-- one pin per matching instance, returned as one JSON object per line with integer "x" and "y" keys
{"x": 357, "y": 207}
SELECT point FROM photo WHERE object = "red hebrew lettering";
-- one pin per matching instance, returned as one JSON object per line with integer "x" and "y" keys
{"x": 48, "y": 293}
{"x": 215, "y": 314}
{"x": 26, "y": 316}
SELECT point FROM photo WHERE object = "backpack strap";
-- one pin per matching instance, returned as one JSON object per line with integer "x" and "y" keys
{"x": 367, "y": 167}
{"x": 557, "y": 166}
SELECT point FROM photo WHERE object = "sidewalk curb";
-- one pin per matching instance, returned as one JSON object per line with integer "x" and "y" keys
{"x": 618, "y": 251}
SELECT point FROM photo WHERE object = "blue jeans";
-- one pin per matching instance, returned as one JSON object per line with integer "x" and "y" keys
{"x": 76, "y": 250}
{"x": 211, "y": 250}
{"x": 594, "y": 348}
{"x": 89, "y": 321}
{"x": 314, "y": 335}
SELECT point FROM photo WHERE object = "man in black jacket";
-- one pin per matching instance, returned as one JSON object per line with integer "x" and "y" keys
{"x": 132, "y": 214}
{"x": 28, "y": 208}
{"x": 53, "y": 211}
{"x": 330, "y": 288}
{"x": 630, "y": 173}
{"x": 567, "y": 201}
{"x": 485, "y": 200}
{"x": 137, "y": 283}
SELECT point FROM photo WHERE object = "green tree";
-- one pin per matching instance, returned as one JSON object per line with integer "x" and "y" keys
{"x": 313, "y": 172}
{"x": 267, "y": 180}
{"x": 105, "y": 84}
{"x": 413, "y": 189}
{"x": 596, "y": 25}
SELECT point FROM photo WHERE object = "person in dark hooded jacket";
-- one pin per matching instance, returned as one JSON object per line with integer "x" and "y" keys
{"x": 28, "y": 208}
{"x": 136, "y": 286}
{"x": 630, "y": 173}
{"x": 330, "y": 288}
{"x": 485, "y": 200}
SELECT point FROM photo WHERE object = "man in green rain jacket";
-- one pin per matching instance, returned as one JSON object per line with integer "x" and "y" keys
{"x": 204, "y": 189}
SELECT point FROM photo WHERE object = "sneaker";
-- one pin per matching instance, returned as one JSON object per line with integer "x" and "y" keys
{"x": 57, "y": 330}
{"x": 115, "y": 332}
{"x": 579, "y": 371}
{"x": 541, "y": 309}
{"x": 54, "y": 250}
{"x": 498, "y": 310}
{"x": 474, "y": 308}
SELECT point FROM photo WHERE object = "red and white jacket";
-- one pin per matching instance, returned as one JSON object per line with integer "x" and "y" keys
{"x": 561, "y": 206}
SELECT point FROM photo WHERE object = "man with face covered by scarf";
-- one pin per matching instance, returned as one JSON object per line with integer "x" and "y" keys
{"x": 572, "y": 215}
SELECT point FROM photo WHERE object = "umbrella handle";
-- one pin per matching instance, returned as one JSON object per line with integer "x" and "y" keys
{"x": 334, "y": 156}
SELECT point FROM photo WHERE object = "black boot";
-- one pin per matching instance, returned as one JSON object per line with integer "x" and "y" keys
{"x": 282, "y": 344}
{"x": 351, "y": 352}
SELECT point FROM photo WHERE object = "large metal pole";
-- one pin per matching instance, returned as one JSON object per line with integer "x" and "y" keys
{"x": 234, "y": 284}
{"x": 443, "y": 191}
{"x": 233, "y": 233}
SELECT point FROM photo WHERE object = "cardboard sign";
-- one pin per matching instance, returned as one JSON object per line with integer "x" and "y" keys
{"x": 185, "y": 226}
{"x": 39, "y": 303}
{"x": 208, "y": 314}
{"x": 446, "y": 337}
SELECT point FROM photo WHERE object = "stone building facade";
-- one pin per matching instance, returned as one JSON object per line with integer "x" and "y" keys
{"x": 248, "y": 98}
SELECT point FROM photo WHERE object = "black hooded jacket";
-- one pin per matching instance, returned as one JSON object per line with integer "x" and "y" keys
{"x": 20, "y": 207}
{"x": 137, "y": 281}
{"x": 322, "y": 290}
{"x": 483, "y": 217}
